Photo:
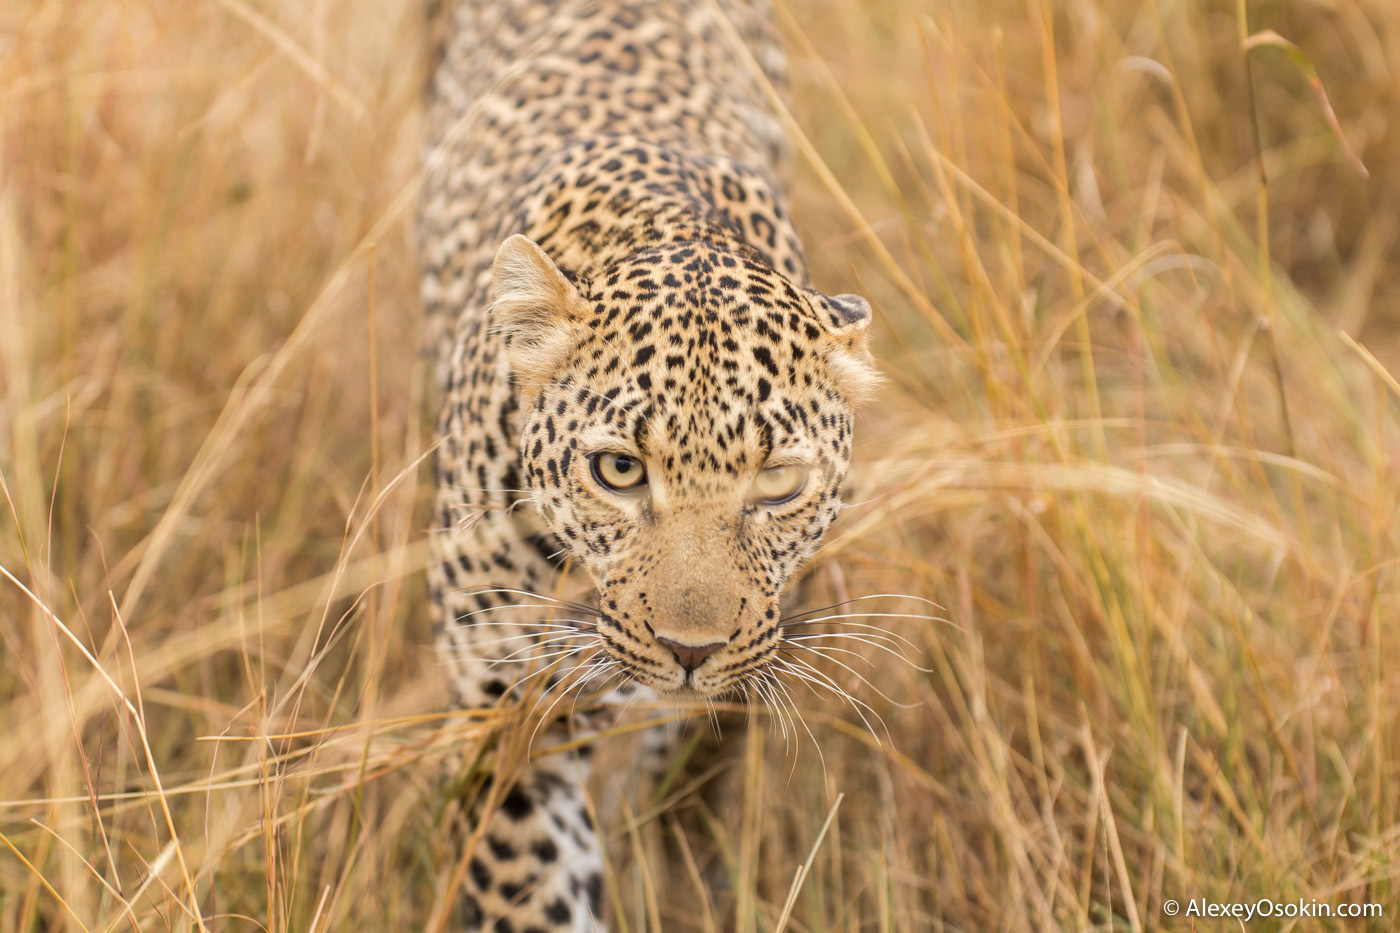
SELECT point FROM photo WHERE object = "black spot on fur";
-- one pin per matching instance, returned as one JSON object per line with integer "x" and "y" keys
{"x": 765, "y": 359}
{"x": 517, "y": 805}
{"x": 545, "y": 850}
{"x": 558, "y": 912}
{"x": 468, "y": 911}
{"x": 594, "y": 887}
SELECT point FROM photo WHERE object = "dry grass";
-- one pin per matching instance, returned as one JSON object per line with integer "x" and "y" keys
{"x": 1134, "y": 455}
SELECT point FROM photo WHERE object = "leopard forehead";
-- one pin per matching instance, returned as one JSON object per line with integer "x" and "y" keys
{"x": 706, "y": 361}
{"x": 696, "y": 329}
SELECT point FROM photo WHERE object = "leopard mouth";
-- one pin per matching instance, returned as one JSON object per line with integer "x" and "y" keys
{"x": 667, "y": 682}
{"x": 685, "y": 691}
{"x": 691, "y": 685}
{"x": 680, "y": 672}
{"x": 704, "y": 683}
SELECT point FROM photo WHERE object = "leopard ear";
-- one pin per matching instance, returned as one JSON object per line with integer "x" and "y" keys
{"x": 845, "y": 323}
{"x": 537, "y": 309}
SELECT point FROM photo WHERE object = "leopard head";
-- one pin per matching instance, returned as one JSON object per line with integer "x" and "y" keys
{"x": 686, "y": 429}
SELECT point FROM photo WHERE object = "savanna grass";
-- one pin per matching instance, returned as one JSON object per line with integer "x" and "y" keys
{"x": 1138, "y": 439}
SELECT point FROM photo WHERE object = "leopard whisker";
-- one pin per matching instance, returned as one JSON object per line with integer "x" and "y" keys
{"x": 864, "y": 640}
{"x": 553, "y": 650}
{"x": 747, "y": 693}
{"x": 822, "y": 653}
{"x": 504, "y": 606}
{"x": 591, "y": 626}
{"x": 567, "y": 686}
{"x": 785, "y": 713}
{"x": 880, "y": 632}
{"x": 552, "y": 667}
{"x": 497, "y": 588}
{"x": 832, "y": 682}
{"x": 569, "y": 678}
{"x": 569, "y": 624}
{"x": 872, "y": 615}
{"x": 526, "y": 678}
{"x": 796, "y": 714}
{"x": 518, "y": 503}
{"x": 714, "y": 719}
{"x": 598, "y": 669}
{"x": 532, "y": 659}
{"x": 768, "y": 701}
{"x": 880, "y": 635}
{"x": 545, "y": 716}
{"x": 469, "y": 619}
{"x": 856, "y": 599}
{"x": 554, "y": 643}
{"x": 575, "y": 687}
{"x": 476, "y": 652}
{"x": 538, "y": 633}
{"x": 473, "y": 652}
{"x": 815, "y": 677}
{"x": 881, "y": 639}
{"x": 560, "y": 632}
{"x": 771, "y": 701}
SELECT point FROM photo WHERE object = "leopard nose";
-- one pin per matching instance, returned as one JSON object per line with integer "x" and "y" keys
{"x": 691, "y": 656}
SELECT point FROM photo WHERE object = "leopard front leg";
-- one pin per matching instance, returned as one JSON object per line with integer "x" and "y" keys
{"x": 537, "y": 862}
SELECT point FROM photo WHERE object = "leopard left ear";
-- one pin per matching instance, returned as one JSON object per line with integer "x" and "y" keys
{"x": 846, "y": 324}
{"x": 537, "y": 308}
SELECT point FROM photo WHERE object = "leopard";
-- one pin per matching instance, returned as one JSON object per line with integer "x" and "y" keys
{"x": 642, "y": 392}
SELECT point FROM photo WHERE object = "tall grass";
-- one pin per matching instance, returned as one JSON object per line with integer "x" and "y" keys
{"x": 1148, "y": 467}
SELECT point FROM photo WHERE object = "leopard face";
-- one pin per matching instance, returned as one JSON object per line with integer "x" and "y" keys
{"x": 687, "y": 425}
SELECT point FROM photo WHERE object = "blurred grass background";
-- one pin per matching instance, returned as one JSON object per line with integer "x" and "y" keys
{"x": 1139, "y": 439}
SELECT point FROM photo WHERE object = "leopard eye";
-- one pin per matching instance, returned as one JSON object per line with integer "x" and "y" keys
{"x": 778, "y": 484}
{"x": 618, "y": 472}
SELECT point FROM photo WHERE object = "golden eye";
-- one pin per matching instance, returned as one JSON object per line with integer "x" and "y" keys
{"x": 618, "y": 471}
{"x": 778, "y": 484}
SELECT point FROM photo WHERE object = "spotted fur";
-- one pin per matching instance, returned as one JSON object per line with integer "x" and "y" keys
{"x": 610, "y": 272}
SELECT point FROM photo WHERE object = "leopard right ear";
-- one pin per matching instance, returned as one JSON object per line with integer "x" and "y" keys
{"x": 845, "y": 321}
{"x": 537, "y": 309}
